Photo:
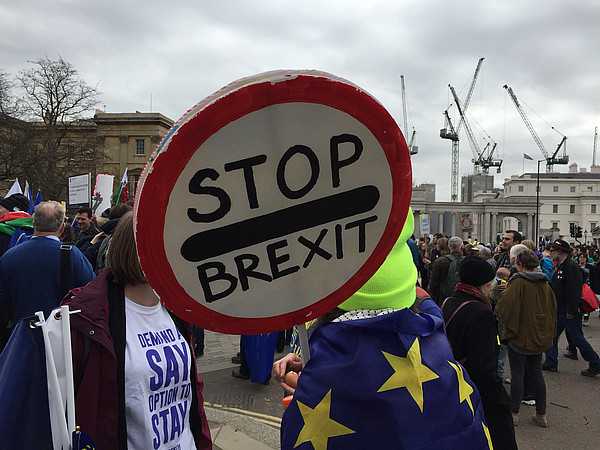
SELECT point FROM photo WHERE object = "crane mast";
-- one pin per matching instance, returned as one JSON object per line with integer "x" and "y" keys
{"x": 550, "y": 160}
{"x": 413, "y": 149}
{"x": 452, "y": 135}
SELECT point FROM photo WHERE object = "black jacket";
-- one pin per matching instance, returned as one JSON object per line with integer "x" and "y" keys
{"x": 567, "y": 284}
{"x": 473, "y": 336}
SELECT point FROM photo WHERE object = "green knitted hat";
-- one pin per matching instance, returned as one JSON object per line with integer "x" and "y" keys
{"x": 393, "y": 285}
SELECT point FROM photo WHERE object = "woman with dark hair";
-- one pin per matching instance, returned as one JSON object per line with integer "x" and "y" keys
{"x": 136, "y": 380}
{"x": 527, "y": 310}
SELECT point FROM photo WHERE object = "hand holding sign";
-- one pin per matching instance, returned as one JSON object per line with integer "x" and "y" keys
{"x": 271, "y": 202}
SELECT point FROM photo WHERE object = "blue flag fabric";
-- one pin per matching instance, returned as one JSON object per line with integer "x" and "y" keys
{"x": 384, "y": 382}
{"x": 30, "y": 198}
{"x": 260, "y": 349}
{"x": 38, "y": 198}
{"x": 24, "y": 413}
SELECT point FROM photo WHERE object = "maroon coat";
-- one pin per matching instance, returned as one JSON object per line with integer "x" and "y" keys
{"x": 97, "y": 396}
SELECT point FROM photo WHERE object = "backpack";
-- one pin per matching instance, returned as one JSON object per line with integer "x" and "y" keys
{"x": 102, "y": 257}
{"x": 19, "y": 236}
{"x": 453, "y": 276}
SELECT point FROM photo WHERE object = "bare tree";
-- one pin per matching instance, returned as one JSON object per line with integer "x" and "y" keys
{"x": 54, "y": 101}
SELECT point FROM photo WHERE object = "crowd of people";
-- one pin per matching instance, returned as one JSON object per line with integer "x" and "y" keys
{"x": 511, "y": 299}
{"x": 136, "y": 381}
{"x": 436, "y": 321}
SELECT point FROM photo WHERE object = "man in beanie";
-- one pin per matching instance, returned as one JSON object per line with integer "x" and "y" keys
{"x": 473, "y": 334}
{"x": 381, "y": 375}
{"x": 567, "y": 284}
{"x": 13, "y": 216}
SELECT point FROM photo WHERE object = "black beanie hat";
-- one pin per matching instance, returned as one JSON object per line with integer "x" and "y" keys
{"x": 476, "y": 271}
{"x": 16, "y": 202}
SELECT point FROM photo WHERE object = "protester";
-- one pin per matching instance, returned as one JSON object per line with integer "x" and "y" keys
{"x": 510, "y": 238}
{"x": 132, "y": 355}
{"x": 35, "y": 275}
{"x": 380, "y": 375}
{"x": 567, "y": 285}
{"x": 444, "y": 271}
{"x": 472, "y": 331}
{"x": 13, "y": 216}
{"x": 527, "y": 310}
{"x": 86, "y": 227}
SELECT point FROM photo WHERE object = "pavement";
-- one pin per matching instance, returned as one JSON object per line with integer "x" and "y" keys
{"x": 246, "y": 415}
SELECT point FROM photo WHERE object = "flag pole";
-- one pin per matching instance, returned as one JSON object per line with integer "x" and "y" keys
{"x": 303, "y": 335}
{"x": 60, "y": 435}
{"x": 67, "y": 351}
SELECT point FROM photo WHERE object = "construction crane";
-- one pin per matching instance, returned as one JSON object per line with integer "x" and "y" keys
{"x": 413, "y": 149}
{"x": 480, "y": 161}
{"x": 449, "y": 132}
{"x": 595, "y": 142}
{"x": 550, "y": 160}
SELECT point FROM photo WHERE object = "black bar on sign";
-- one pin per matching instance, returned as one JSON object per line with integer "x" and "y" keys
{"x": 236, "y": 236}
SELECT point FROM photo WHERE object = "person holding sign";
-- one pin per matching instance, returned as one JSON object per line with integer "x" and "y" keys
{"x": 381, "y": 375}
{"x": 136, "y": 380}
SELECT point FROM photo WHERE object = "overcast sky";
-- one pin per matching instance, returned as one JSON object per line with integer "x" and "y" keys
{"x": 176, "y": 53}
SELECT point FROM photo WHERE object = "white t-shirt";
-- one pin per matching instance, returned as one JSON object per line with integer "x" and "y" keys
{"x": 158, "y": 389}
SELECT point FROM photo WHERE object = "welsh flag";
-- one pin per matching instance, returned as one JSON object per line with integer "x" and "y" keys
{"x": 122, "y": 193}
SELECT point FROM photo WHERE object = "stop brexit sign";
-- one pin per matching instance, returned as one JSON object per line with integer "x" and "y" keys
{"x": 271, "y": 201}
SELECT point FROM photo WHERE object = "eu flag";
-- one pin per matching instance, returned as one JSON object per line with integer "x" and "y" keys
{"x": 384, "y": 382}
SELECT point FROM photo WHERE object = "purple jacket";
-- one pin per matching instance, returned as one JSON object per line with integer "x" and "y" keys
{"x": 97, "y": 395}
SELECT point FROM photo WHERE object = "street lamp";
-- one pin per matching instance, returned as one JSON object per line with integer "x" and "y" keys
{"x": 537, "y": 206}
{"x": 585, "y": 237}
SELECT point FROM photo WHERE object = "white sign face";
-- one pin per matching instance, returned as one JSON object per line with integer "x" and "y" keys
{"x": 424, "y": 219}
{"x": 79, "y": 191}
{"x": 280, "y": 192}
{"x": 272, "y": 202}
{"x": 102, "y": 193}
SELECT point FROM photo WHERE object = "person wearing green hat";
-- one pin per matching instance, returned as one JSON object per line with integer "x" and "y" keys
{"x": 381, "y": 374}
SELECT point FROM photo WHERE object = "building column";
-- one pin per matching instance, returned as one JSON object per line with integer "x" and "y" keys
{"x": 530, "y": 227}
{"x": 417, "y": 224}
{"x": 494, "y": 227}
{"x": 453, "y": 227}
{"x": 486, "y": 228}
{"x": 441, "y": 222}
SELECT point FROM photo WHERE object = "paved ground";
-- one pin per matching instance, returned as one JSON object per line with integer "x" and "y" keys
{"x": 245, "y": 415}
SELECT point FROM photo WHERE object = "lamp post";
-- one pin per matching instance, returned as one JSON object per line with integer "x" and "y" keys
{"x": 537, "y": 205}
{"x": 585, "y": 237}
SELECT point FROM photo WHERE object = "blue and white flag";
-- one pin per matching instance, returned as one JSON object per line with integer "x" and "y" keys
{"x": 384, "y": 382}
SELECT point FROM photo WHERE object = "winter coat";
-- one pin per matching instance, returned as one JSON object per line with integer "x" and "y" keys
{"x": 95, "y": 358}
{"x": 527, "y": 311}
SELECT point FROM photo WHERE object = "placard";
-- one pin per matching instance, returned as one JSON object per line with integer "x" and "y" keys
{"x": 271, "y": 201}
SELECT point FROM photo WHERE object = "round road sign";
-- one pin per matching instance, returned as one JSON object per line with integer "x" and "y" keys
{"x": 466, "y": 222}
{"x": 271, "y": 201}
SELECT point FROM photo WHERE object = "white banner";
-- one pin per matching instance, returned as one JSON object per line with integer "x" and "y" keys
{"x": 424, "y": 220}
{"x": 102, "y": 193}
{"x": 79, "y": 191}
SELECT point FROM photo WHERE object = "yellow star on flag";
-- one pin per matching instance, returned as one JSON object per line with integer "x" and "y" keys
{"x": 486, "y": 430}
{"x": 464, "y": 389}
{"x": 318, "y": 426}
{"x": 409, "y": 372}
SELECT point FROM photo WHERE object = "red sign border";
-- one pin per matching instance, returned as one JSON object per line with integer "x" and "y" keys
{"x": 152, "y": 199}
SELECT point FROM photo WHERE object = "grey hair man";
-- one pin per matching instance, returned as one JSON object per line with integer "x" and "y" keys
{"x": 485, "y": 253}
{"x": 30, "y": 273}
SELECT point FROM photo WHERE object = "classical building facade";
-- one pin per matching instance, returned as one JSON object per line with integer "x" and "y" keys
{"x": 564, "y": 199}
{"x": 129, "y": 139}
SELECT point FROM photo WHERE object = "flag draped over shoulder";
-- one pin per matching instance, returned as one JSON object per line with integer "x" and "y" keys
{"x": 384, "y": 382}
{"x": 122, "y": 193}
{"x": 24, "y": 410}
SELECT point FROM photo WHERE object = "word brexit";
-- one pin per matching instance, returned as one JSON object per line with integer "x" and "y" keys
{"x": 324, "y": 223}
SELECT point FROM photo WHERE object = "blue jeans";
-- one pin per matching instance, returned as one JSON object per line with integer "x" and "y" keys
{"x": 532, "y": 366}
{"x": 573, "y": 328}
